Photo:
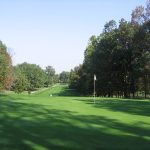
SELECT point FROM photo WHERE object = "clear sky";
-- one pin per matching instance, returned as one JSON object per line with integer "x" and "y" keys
{"x": 56, "y": 32}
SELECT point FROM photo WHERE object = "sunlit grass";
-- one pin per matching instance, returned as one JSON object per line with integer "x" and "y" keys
{"x": 40, "y": 121}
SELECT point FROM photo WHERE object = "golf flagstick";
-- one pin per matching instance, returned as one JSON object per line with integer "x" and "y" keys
{"x": 94, "y": 87}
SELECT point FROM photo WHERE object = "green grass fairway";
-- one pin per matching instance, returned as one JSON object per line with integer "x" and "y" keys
{"x": 61, "y": 122}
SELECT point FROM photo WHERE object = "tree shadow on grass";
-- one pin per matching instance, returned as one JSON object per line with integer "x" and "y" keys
{"x": 66, "y": 91}
{"x": 15, "y": 97}
{"x": 128, "y": 106}
{"x": 132, "y": 107}
{"x": 31, "y": 126}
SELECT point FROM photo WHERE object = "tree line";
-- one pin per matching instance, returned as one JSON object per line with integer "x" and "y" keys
{"x": 119, "y": 57}
{"x": 30, "y": 77}
{"x": 25, "y": 76}
{"x": 6, "y": 69}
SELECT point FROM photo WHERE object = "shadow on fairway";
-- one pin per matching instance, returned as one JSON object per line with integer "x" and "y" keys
{"x": 27, "y": 127}
{"x": 19, "y": 97}
{"x": 128, "y": 106}
{"x": 65, "y": 91}
{"x": 68, "y": 92}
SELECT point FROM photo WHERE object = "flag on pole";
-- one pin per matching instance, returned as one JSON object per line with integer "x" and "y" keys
{"x": 94, "y": 77}
{"x": 94, "y": 87}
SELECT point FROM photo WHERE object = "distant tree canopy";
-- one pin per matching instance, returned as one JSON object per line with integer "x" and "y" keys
{"x": 6, "y": 70}
{"x": 31, "y": 76}
{"x": 64, "y": 77}
{"x": 50, "y": 75}
{"x": 120, "y": 58}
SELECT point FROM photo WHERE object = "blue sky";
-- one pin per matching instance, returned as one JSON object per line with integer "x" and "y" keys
{"x": 56, "y": 32}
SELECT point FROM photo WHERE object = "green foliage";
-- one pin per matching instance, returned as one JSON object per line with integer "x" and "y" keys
{"x": 6, "y": 76}
{"x": 64, "y": 77}
{"x": 31, "y": 76}
{"x": 50, "y": 75}
{"x": 120, "y": 58}
{"x": 56, "y": 78}
{"x": 20, "y": 83}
